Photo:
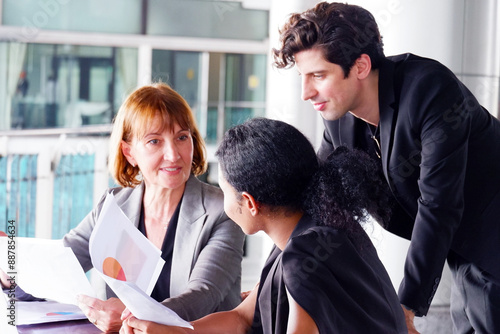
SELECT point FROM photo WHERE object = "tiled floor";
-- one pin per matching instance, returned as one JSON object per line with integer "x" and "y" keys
{"x": 437, "y": 321}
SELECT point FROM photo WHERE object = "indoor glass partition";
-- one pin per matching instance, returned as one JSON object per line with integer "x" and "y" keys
{"x": 51, "y": 86}
{"x": 119, "y": 16}
{"x": 245, "y": 88}
{"x": 180, "y": 70}
{"x": 236, "y": 88}
{"x": 236, "y": 91}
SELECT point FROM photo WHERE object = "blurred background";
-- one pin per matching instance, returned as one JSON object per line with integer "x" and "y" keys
{"x": 66, "y": 66}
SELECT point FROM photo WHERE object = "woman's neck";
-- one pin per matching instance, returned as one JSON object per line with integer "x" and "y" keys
{"x": 159, "y": 207}
{"x": 159, "y": 201}
{"x": 279, "y": 226}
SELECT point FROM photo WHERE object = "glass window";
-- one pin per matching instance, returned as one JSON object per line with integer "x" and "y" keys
{"x": 234, "y": 116}
{"x": 236, "y": 86}
{"x": 181, "y": 70}
{"x": 245, "y": 91}
{"x": 209, "y": 19}
{"x": 121, "y": 16}
{"x": 215, "y": 128}
{"x": 49, "y": 85}
{"x": 245, "y": 77}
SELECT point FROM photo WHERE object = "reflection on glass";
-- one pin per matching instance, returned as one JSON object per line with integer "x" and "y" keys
{"x": 211, "y": 137}
{"x": 181, "y": 70}
{"x": 245, "y": 91}
{"x": 235, "y": 116}
{"x": 36, "y": 15}
{"x": 236, "y": 86}
{"x": 206, "y": 19}
{"x": 63, "y": 85}
{"x": 245, "y": 77}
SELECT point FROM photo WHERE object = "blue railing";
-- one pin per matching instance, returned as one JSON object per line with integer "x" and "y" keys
{"x": 18, "y": 187}
{"x": 4, "y": 217}
{"x": 73, "y": 191}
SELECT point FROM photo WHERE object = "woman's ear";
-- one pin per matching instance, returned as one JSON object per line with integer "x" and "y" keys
{"x": 126, "y": 148}
{"x": 250, "y": 204}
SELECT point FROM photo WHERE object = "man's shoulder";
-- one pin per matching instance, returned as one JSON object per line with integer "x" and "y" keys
{"x": 410, "y": 57}
{"x": 412, "y": 62}
{"x": 416, "y": 72}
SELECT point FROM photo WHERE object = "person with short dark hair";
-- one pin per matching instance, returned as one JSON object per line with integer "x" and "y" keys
{"x": 323, "y": 274}
{"x": 439, "y": 150}
{"x": 156, "y": 152}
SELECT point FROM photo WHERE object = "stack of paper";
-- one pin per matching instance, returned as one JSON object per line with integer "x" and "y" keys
{"x": 129, "y": 263}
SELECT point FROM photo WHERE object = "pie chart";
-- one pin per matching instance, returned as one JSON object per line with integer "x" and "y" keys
{"x": 112, "y": 268}
{"x": 59, "y": 313}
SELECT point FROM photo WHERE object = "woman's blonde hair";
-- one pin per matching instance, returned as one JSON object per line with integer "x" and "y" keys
{"x": 136, "y": 115}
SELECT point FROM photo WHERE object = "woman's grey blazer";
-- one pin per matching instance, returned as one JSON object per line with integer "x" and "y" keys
{"x": 208, "y": 249}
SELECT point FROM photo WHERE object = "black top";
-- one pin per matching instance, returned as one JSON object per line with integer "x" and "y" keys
{"x": 161, "y": 290}
{"x": 343, "y": 286}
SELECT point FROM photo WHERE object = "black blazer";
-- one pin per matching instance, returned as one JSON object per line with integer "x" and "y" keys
{"x": 440, "y": 153}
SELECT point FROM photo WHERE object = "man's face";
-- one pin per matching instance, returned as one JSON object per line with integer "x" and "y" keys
{"x": 324, "y": 84}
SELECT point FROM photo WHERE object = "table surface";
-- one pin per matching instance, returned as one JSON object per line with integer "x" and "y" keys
{"x": 63, "y": 327}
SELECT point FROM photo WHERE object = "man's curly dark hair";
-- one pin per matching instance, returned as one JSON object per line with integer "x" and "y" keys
{"x": 342, "y": 31}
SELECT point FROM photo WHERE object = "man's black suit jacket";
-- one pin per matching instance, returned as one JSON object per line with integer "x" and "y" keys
{"x": 440, "y": 153}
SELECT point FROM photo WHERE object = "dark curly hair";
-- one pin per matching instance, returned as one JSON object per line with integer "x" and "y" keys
{"x": 270, "y": 159}
{"x": 277, "y": 165}
{"x": 344, "y": 32}
{"x": 347, "y": 188}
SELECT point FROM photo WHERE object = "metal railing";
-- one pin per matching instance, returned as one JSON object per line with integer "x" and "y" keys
{"x": 50, "y": 179}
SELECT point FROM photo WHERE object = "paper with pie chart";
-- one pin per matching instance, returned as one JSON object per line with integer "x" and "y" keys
{"x": 46, "y": 311}
{"x": 129, "y": 263}
{"x": 119, "y": 250}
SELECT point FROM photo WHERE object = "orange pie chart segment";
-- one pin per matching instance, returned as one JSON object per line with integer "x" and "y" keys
{"x": 112, "y": 268}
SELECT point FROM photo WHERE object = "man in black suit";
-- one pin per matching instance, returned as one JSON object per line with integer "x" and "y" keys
{"x": 439, "y": 151}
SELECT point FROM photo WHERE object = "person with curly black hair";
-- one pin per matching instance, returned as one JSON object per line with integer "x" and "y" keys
{"x": 323, "y": 274}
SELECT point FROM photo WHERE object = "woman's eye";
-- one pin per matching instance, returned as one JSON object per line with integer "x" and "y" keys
{"x": 183, "y": 137}
{"x": 153, "y": 141}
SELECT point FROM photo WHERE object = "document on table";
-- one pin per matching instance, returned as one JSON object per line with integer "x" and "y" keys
{"x": 130, "y": 264}
{"x": 38, "y": 312}
{"x": 46, "y": 269}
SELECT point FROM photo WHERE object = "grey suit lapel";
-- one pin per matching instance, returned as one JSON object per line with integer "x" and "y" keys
{"x": 132, "y": 205}
{"x": 191, "y": 220}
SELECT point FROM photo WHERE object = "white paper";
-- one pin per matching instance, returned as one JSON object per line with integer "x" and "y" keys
{"x": 143, "y": 306}
{"x": 115, "y": 236}
{"x": 138, "y": 264}
{"x": 28, "y": 313}
{"x": 47, "y": 269}
{"x": 5, "y": 327}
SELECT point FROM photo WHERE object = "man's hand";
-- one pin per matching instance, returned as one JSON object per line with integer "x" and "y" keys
{"x": 105, "y": 315}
